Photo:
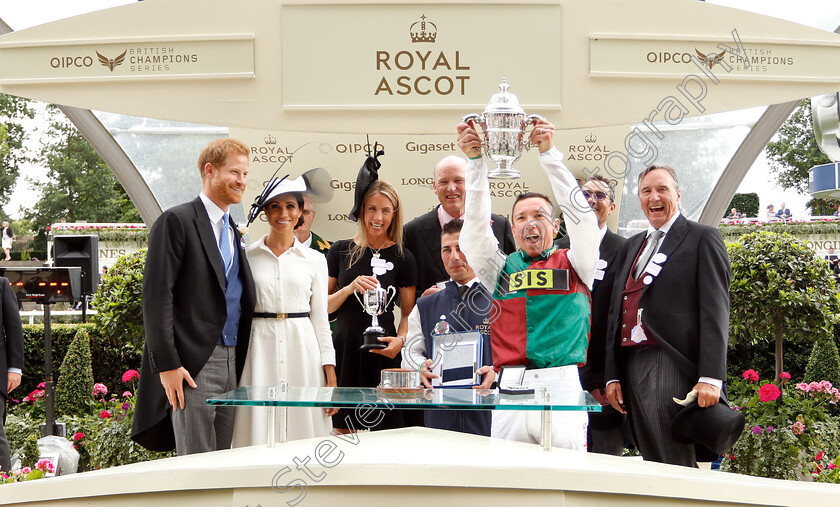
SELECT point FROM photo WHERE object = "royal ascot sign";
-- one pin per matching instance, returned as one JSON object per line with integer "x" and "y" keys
{"x": 129, "y": 59}
{"x": 414, "y": 60}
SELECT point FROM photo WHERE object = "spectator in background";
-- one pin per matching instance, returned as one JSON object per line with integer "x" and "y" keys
{"x": 11, "y": 355}
{"x": 771, "y": 213}
{"x": 8, "y": 236}
{"x": 783, "y": 212}
{"x": 304, "y": 233}
{"x": 734, "y": 215}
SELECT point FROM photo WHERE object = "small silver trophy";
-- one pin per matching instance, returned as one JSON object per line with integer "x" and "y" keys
{"x": 374, "y": 302}
{"x": 504, "y": 123}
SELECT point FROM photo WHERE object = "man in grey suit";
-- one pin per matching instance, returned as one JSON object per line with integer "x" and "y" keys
{"x": 422, "y": 235}
{"x": 11, "y": 359}
{"x": 198, "y": 300}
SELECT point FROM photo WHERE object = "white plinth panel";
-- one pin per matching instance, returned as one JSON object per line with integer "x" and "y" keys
{"x": 410, "y": 466}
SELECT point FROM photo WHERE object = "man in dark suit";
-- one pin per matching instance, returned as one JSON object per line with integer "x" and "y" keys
{"x": 783, "y": 212}
{"x": 11, "y": 360}
{"x": 198, "y": 300}
{"x": 422, "y": 235}
{"x": 668, "y": 321}
{"x": 607, "y": 431}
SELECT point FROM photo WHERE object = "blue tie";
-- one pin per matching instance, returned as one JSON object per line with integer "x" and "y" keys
{"x": 224, "y": 243}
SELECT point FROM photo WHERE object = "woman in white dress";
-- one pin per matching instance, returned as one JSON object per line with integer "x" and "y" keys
{"x": 290, "y": 279}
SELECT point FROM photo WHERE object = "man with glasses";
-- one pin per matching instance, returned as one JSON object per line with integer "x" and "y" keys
{"x": 607, "y": 431}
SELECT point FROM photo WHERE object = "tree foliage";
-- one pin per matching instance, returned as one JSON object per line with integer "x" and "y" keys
{"x": 118, "y": 303}
{"x": 745, "y": 203}
{"x": 79, "y": 185}
{"x": 13, "y": 110}
{"x": 794, "y": 154}
{"x": 824, "y": 363}
{"x": 780, "y": 289}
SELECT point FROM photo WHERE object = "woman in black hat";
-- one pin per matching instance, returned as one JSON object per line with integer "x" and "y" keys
{"x": 374, "y": 256}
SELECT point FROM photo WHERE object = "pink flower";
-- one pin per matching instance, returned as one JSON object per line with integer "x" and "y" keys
{"x": 756, "y": 430}
{"x": 826, "y": 385}
{"x": 802, "y": 386}
{"x": 798, "y": 427}
{"x": 832, "y": 466}
{"x": 25, "y": 470}
{"x": 126, "y": 406}
{"x": 130, "y": 375}
{"x": 784, "y": 375}
{"x": 99, "y": 389}
{"x": 4, "y": 476}
{"x": 750, "y": 375}
{"x": 770, "y": 429}
{"x": 104, "y": 414}
{"x": 127, "y": 394}
{"x": 78, "y": 436}
{"x": 813, "y": 386}
{"x": 45, "y": 465}
{"x": 42, "y": 385}
{"x": 819, "y": 456}
{"x": 768, "y": 392}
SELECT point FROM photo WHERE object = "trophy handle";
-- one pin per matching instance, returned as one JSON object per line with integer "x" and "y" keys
{"x": 358, "y": 298}
{"x": 475, "y": 118}
{"x": 391, "y": 298}
{"x": 530, "y": 120}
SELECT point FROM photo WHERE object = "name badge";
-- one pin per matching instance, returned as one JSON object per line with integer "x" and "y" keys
{"x": 546, "y": 279}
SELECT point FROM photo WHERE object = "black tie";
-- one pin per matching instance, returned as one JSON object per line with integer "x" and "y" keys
{"x": 463, "y": 290}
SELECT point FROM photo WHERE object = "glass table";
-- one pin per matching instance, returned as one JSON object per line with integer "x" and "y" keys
{"x": 544, "y": 399}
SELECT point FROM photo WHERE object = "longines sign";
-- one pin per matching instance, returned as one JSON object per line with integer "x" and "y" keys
{"x": 427, "y": 57}
{"x": 129, "y": 59}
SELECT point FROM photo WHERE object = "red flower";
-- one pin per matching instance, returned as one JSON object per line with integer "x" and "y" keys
{"x": 819, "y": 456}
{"x": 784, "y": 375}
{"x": 104, "y": 414}
{"x": 78, "y": 436}
{"x": 731, "y": 456}
{"x": 768, "y": 392}
{"x": 750, "y": 375}
{"x": 130, "y": 375}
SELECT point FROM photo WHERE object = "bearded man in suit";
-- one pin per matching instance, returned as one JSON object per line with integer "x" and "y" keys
{"x": 198, "y": 300}
{"x": 422, "y": 235}
{"x": 668, "y": 321}
{"x": 607, "y": 431}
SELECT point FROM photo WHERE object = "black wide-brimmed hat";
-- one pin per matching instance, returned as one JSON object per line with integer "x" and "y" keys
{"x": 368, "y": 173}
{"x": 716, "y": 428}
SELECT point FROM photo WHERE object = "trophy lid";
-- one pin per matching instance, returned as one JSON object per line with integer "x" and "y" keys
{"x": 504, "y": 101}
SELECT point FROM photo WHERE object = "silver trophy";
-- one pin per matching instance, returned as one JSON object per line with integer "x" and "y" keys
{"x": 374, "y": 302}
{"x": 504, "y": 123}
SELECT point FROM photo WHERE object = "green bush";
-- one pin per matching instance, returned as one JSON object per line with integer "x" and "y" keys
{"x": 824, "y": 363}
{"x": 75, "y": 380}
{"x": 109, "y": 357}
{"x": 781, "y": 291}
{"x": 119, "y": 305}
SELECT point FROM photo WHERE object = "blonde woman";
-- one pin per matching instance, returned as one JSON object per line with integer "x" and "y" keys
{"x": 376, "y": 249}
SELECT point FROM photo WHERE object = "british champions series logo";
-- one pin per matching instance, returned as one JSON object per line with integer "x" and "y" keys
{"x": 711, "y": 59}
{"x": 413, "y": 72}
{"x": 111, "y": 62}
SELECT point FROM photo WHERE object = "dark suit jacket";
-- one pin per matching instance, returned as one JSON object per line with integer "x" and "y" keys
{"x": 592, "y": 373}
{"x": 184, "y": 311}
{"x": 686, "y": 307}
{"x": 11, "y": 335}
{"x": 422, "y": 239}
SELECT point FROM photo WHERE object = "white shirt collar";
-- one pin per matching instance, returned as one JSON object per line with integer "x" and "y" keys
{"x": 469, "y": 282}
{"x": 214, "y": 212}
{"x": 665, "y": 228}
{"x": 308, "y": 242}
{"x": 602, "y": 232}
{"x": 297, "y": 247}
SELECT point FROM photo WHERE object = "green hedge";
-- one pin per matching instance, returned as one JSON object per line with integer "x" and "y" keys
{"x": 110, "y": 358}
{"x": 744, "y": 203}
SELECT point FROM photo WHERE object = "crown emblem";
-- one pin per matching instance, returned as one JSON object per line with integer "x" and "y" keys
{"x": 270, "y": 139}
{"x": 591, "y": 138}
{"x": 421, "y": 33}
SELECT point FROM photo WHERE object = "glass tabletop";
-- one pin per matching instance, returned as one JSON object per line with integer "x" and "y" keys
{"x": 438, "y": 399}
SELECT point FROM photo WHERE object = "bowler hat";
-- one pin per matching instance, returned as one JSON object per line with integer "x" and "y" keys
{"x": 716, "y": 428}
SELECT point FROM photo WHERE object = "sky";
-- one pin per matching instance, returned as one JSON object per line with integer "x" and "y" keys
{"x": 824, "y": 14}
